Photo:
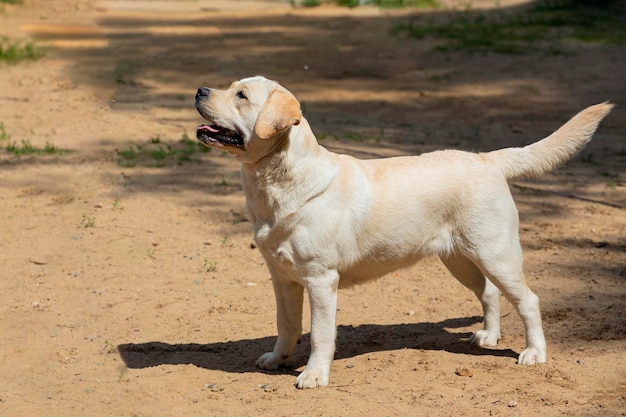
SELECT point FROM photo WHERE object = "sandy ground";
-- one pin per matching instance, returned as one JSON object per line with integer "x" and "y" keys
{"x": 129, "y": 287}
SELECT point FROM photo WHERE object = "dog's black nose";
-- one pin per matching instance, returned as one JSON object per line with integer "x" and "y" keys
{"x": 202, "y": 92}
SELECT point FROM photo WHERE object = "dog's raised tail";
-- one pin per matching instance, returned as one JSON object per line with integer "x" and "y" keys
{"x": 543, "y": 156}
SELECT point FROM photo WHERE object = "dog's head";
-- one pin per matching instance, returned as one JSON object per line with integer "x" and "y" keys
{"x": 249, "y": 118}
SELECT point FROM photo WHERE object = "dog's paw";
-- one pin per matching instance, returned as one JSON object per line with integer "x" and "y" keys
{"x": 270, "y": 361}
{"x": 531, "y": 356}
{"x": 312, "y": 379}
{"x": 485, "y": 338}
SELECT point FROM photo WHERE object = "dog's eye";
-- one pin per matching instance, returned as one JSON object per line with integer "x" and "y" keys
{"x": 241, "y": 95}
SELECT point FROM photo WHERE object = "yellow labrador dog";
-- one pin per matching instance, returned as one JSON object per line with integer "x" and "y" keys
{"x": 324, "y": 220}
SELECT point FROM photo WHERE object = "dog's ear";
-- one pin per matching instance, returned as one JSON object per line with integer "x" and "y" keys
{"x": 281, "y": 111}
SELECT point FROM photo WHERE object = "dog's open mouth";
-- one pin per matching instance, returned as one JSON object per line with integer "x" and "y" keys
{"x": 210, "y": 135}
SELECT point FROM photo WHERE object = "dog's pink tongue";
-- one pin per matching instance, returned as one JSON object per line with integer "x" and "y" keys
{"x": 207, "y": 127}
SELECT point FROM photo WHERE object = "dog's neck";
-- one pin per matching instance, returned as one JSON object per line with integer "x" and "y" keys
{"x": 283, "y": 181}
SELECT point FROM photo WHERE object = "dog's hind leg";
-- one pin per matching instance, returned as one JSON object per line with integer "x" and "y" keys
{"x": 469, "y": 275}
{"x": 502, "y": 263}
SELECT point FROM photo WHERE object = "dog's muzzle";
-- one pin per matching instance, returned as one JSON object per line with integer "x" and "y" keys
{"x": 213, "y": 134}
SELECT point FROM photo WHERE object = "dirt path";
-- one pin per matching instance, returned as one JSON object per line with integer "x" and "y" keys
{"x": 128, "y": 284}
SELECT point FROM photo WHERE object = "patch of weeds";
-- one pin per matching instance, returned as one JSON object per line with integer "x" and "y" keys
{"x": 601, "y": 22}
{"x": 150, "y": 252}
{"x": 51, "y": 149}
{"x": 157, "y": 153}
{"x": 14, "y": 51}
{"x": 123, "y": 72}
{"x": 160, "y": 153}
{"x": 348, "y": 3}
{"x": 3, "y": 133}
{"x": 223, "y": 183}
{"x": 17, "y": 150}
{"x": 475, "y": 33}
{"x": 588, "y": 158}
{"x": 359, "y": 137}
{"x": 119, "y": 77}
{"x": 88, "y": 221}
{"x": 306, "y": 3}
{"x": 438, "y": 78}
{"x": 123, "y": 376}
{"x": 425, "y": 4}
{"x": 226, "y": 241}
{"x": 129, "y": 154}
{"x": 607, "y": 174}
{"x": 11, "y": 1}
{"x": 109, "y": 347}
{"x": 355, "y": 137}
{"x": 611, "y": 184}
{"x": 27, "y": 148}
{"x": 209, "y": 266}
{"x": 388, "y": 4}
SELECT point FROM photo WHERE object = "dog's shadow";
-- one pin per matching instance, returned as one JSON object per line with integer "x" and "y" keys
{"x": 239, "y": 356}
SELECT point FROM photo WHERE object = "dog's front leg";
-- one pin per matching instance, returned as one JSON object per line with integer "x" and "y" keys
{"x": 322, "y": 291}
{"x": 289, "y": 297}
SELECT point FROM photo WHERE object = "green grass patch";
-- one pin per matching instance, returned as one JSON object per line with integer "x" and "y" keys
{"x": 13, "y": 51}
{"x": 307, "y": 3}
{"x": 4, "y": 135}
{"x": 11, "y": 1}
{"x": 88, "y": 221}
{"x": 26, "y": 148}
{"x": 157, "y": 153}
{"x": 427, "y": 4}
{"x": 601, "y": 22}
{"x": 209, "y": 266}
{"x": 387, "y": 4}
{"x": 354, "y": 136}
{"x": 125, "y": 72}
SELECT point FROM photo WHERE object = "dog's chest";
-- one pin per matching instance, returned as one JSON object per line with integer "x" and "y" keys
{"x": 283, "y": 215}
{"x": 275, "y": 244}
